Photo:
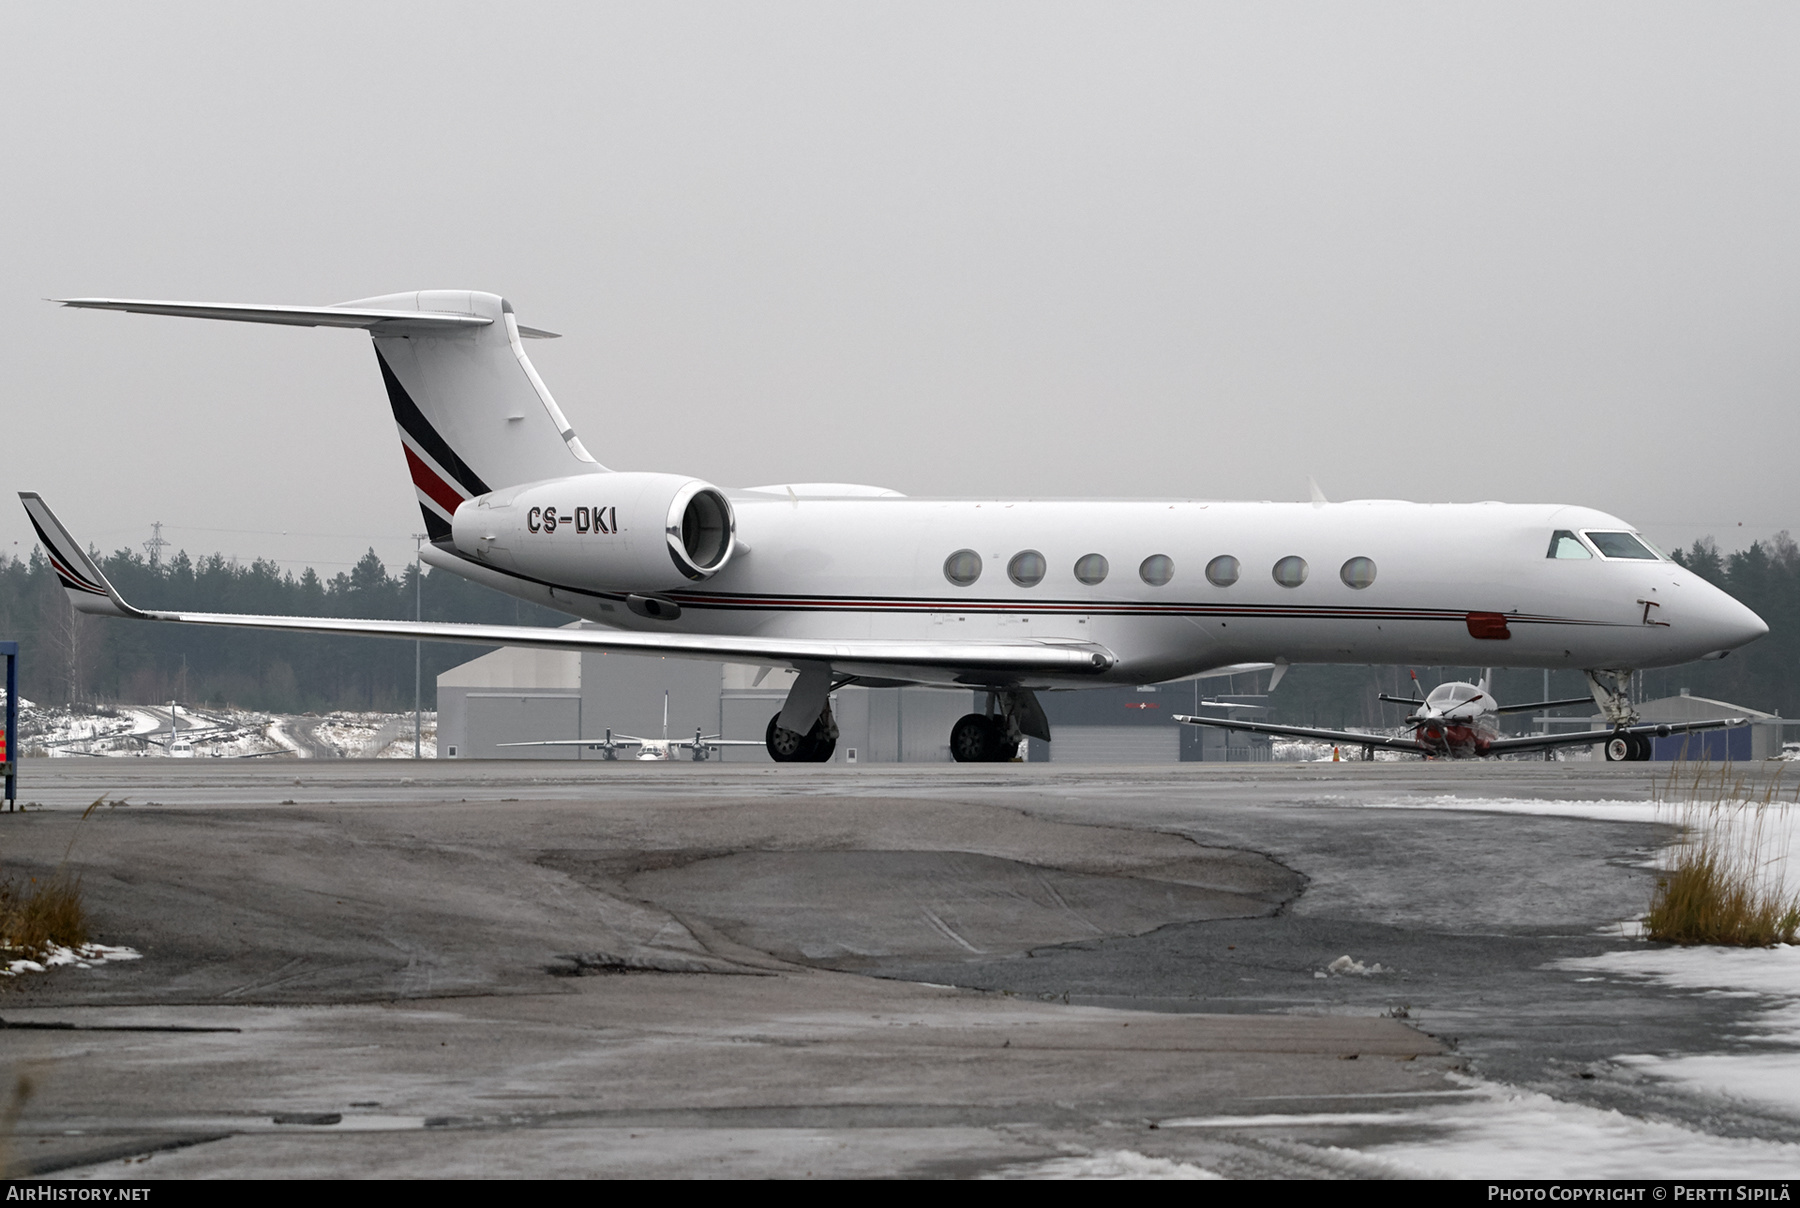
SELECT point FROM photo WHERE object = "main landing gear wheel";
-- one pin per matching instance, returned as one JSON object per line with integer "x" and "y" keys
{"x": 978, "y": 739}
{"x": 785, "y": 746}
{"x": 1632, "y": 748}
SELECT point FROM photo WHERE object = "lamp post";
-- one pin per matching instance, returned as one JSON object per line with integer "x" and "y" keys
{"x": 418, "y": 646}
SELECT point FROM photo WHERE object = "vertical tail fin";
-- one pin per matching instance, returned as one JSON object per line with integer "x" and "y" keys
{"x": 473, "y": 414}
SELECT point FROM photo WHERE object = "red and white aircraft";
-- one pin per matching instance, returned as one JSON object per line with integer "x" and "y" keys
{"x": 1460, "y": 720}
{"x": 849, "y": 583}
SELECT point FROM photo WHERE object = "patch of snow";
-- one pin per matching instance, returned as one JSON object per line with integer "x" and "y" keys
{"x": 140, "y": 731}
{"x": 373, "y": 735}
{"x": 1499, "y": 1132}
{"x": 86, "y": 956}
{"x": 402, "y": 745}
{"x": 279, "y": 737}
{"x": 1768, "y": 1078}
{"x": 1106, "y": 1164}
{"x": 1344, "y": 964}
{"x": 1306, "y": 750}
{"x": 1602, "y": 811}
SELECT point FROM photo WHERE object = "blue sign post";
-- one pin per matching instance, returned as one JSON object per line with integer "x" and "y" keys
{"x": 9, "y": 741}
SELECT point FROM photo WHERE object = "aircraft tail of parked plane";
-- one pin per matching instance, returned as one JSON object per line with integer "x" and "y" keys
{"x": 474, "y": 416}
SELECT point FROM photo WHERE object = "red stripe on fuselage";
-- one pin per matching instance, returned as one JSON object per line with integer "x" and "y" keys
{"x": 426, "y": 479}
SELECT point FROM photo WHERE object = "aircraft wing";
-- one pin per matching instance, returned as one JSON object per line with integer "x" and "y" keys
{"x": 1570, "y": 703}
{"x": 618, "y": 740}
{"x": 717, "y": 742}
{"x": 1343, "y": 737}
{"x": 957, "y": 662}
{"x": 1649, "y": 729}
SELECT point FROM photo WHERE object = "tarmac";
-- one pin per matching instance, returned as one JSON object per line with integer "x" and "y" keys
{"x": 492, "y": 969}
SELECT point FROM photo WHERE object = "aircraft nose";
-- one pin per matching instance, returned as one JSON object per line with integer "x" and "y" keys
{"x": 1750, "y": 626}
{"x": 1729, "y": 624}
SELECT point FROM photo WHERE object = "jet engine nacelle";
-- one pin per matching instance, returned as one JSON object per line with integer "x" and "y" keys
{"x": 621, "y": 531}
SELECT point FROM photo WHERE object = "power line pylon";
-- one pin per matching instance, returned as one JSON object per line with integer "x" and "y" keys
{"x": 154, "y": 547}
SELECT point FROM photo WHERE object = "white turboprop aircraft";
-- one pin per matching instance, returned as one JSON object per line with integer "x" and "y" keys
{"x": 858, "y": 584}
{"x": 700, "y": 747}
{"x": 1458, "y": 720}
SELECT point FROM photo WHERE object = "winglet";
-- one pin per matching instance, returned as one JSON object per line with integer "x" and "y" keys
{"x": 87, "y": 587}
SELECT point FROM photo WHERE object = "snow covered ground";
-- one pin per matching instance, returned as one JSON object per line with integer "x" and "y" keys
{"x": 143, "y": 731}
{"x": 1304, "y": 750}
{"x": 1501, "y": 1129}
{"x": 1755, "y": 1067}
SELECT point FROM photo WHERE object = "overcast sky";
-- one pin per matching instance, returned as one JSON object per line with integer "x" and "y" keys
{"x": 1447, "y": 252}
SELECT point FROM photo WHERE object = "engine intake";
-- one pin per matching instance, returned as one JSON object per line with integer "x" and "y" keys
{"x": 626, "y": 532}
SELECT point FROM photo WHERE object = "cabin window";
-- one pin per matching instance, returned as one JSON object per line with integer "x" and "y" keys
{"x": 1621, "y": 545}
{"x": 1157, "y": 569}
{"x": 1564, "y": 544}
{"x": 963, "y": 567}
{"x": 1026, "y": 568}
{"x": 1091, "y": 569}
{"x": 1290, "y": 571}
{"x": 1222, "y": 571}
{"x": 1358, "y": 573}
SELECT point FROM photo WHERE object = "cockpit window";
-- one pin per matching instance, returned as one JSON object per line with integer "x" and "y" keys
{"x": 1621, "y": 545}
{"x": 1446, "y": 696}
{"x": 1564, "y": 544}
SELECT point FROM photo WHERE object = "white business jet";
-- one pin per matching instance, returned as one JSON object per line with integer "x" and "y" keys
{"x": 1012, "y": 597}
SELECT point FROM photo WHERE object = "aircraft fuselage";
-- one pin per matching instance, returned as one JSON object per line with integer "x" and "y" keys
{"x": 1355, "y": 582}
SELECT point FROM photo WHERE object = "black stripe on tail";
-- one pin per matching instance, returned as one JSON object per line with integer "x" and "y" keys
{"x": 65, "y": 567}
{"x": 413, "y": 422}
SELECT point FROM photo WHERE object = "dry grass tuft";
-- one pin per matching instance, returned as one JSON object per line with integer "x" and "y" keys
{"x": 1727, "y": 880}
{"x": 34, "y": 915}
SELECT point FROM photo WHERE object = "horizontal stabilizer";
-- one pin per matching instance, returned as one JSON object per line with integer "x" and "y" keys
{"x": 348, "y": 314}
{"x": 294, "y": 316}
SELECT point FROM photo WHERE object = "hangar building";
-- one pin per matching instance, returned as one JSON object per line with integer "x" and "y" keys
{"x": 515, "y": 695}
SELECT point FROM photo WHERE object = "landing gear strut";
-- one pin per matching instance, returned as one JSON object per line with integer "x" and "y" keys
{"x": 1612, "y": 692}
